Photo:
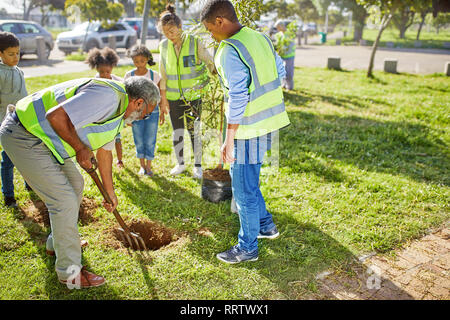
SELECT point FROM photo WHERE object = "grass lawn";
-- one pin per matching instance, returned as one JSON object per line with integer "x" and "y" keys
{"x": 363, "y": 167}
{"x": 429, "y": 39}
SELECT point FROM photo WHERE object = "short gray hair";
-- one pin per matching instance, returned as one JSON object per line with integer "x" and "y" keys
{"x": 141, "y": 87}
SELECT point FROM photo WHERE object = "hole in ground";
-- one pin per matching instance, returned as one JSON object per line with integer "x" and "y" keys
{"x": 155, "y": 235}
{"x": 37, "y": 211}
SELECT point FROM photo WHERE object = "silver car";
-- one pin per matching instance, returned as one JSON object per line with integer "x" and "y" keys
{"x": 27, "y": 31}
{"x": 94, "y": 35}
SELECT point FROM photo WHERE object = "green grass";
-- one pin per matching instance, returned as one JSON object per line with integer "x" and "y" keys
{"x": 76, "y": 56}
{"x": 428, "y": 39}
{"x": 364, "y": 167}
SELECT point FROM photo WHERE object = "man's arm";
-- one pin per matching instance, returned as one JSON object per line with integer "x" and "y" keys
{"x": 104, "y": 161}
{"x": 63, "y": 126}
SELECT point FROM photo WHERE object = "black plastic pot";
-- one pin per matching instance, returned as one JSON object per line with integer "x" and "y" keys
{"x": 215, "y": 190}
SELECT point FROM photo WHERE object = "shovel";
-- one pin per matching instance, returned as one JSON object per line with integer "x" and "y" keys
{"x": 134, "y": 240}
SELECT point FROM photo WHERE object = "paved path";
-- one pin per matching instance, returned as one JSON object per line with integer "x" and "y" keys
{"x": 420, "y": 272}
{"x": 418, "y": 61}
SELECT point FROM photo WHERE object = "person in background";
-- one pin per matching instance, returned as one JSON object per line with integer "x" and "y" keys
{"x": 250, "y": 70}
{"x": 12, "y": 89}
{"x": 145, "y": 130}
{"x": 183, "y": 70}
{"x": 104, "y": 62}
{"x": 285, "y": 46}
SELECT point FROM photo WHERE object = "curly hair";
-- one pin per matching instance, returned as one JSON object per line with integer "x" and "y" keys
{"x": 141, "y": 50}
{"x": 97, "y": 57}
{"x": 8, "y": 40}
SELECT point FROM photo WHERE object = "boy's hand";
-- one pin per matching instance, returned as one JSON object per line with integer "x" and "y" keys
{"x": 227, "y": 152}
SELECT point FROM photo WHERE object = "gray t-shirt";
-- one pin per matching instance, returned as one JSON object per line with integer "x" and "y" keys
{"x": 92, "y": 103}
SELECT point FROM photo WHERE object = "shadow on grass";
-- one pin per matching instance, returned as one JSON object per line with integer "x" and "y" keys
{"x": 38, "y": 234}
{"x": 293, "y": 260}
{"x": 397, "y": 148}
{"x": 302, "y": 98}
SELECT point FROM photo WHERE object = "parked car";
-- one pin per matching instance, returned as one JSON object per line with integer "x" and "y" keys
{"x": 94, "y": 35}
{"x": 27, "y": 31}
{"x": 310, "y": 28}
{"x": 136, "y": 24}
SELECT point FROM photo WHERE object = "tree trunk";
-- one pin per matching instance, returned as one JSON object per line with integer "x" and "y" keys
{"x": 358, "y": 31}
{"x": 145, "y": 22}
{"x": 420, "y": 26}
{"x": 384, "y": 23}
{"x": 359, "y": 16}
{"x": 402, "y": 32}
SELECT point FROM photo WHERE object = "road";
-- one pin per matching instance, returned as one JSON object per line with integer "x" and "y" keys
{"x": 416, "y": 61}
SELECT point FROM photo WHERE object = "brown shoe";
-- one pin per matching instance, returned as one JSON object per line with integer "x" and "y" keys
{"x": 86, "y": 279}
{"x": 83, "y": 243}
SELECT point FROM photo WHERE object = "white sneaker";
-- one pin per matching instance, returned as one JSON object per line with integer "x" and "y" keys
{"x": 179, "y": 168}
{"x": 141, "y": 172}
{"x": 198, "y": 172}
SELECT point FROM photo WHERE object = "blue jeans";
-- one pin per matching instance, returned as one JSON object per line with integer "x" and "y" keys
{"x": 7, "y": 174}
{"x": 144, "y": 135}
{"x": 253, "y": 215}
{"x": 288, "y": 82}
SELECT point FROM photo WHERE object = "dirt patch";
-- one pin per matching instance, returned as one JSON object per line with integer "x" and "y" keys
{"x": 217, "y": 174}
{"x": 154, "y": 234}
{"x": 36, "y": 211}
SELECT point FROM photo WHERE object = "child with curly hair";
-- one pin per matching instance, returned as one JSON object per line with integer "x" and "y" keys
{"x": 104, "y": 61}
{"x": 145, "y": 130}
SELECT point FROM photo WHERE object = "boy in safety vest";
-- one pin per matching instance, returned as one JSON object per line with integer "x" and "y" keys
{"x": 250, "y": 71}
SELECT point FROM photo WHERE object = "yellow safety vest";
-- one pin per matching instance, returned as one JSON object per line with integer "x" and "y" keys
{"x": 265, "y": 111}
{"x": 32, "y": 110}
{"x": 186, "y": 74}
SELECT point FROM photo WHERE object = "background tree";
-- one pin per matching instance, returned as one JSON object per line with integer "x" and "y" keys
{"x": 306, "y": 10}
{"x": 423, "y": 7}
{"x": 322, "y": 8}
{"x": 359, "y": 16}
{"x": 440, "y": 21}
{"x": 383, "y": 11}
{"x": 404, "y": 17}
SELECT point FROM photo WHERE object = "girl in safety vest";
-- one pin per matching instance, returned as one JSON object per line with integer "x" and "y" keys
{"x": 145, "y": 130}
{"x": 183, "y": 70}
{"x": 104, "y": 61}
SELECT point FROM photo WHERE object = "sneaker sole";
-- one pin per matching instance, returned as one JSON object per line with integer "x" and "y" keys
{"x": 234, "y": 262}
{"x": 274, "y": 236}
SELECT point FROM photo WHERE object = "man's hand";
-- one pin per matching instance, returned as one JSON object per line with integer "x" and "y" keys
{"x": 84, "y": 157}
{"x": 113, "y": 197}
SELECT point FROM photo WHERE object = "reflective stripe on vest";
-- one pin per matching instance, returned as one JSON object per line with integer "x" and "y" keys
{"x": 265, "y": 111}
{"x": 32, "y": 112}
{"x": 182, "y": 80}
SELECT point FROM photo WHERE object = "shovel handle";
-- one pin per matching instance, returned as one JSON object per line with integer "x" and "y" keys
{"x": 93, "y": 173}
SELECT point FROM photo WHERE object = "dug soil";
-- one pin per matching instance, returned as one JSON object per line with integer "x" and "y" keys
{"x": 155, "y": 235}
{"x": 217, "y": 174}
{"x": 36, "y": 211}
